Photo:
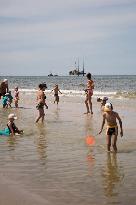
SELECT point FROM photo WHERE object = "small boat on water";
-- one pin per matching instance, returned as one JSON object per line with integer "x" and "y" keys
{"x": 50, "y": 75}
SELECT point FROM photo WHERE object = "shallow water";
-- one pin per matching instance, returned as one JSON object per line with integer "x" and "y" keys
{"x": 53, "y": 162}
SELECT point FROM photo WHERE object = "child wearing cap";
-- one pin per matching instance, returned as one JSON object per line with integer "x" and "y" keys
{"x": 11, "y": 127}
{"x": 56, "y": 93}
{"x": 112, "y": 128}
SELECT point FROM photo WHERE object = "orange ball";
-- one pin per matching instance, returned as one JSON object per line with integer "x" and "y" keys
{"x": 90, "y": 140}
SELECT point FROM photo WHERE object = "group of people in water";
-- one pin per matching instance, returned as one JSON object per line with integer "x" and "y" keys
{"x": 5, "y": 94}
{"x": 108, "y": 114}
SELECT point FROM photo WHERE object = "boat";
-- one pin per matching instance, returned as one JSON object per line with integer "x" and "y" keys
{"x": 52, "y": 75}
{"x": 76, "y": 70}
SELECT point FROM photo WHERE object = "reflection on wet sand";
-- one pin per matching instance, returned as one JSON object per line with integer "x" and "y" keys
{"x": 112, "y": 175}
{"x": 12, "y": 142}
{"x": 41, "y": 142}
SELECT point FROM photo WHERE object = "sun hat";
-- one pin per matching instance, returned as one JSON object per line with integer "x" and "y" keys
{"x": 5, "y": 81}
{"x": 108, "y": 107}
{"x": 12, "y": 116}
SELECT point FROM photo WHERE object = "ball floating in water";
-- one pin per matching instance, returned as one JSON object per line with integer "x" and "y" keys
{"x": 90, "y": 140}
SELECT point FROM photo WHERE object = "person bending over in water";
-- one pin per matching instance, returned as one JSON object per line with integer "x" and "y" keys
{"x": 41, "y": 102}
{"x": 56, "y": 93}
{"x": 89, "y": 93}
{"x": 103, "y": 102}
{"x": 112, "y": 128}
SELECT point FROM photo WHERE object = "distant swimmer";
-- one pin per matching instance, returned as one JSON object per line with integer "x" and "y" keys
{"x": 41, "y": 101}
{"x": 56, "y": 93}
{"x": 89, "y": 93}
{"x": 112, "y": 128}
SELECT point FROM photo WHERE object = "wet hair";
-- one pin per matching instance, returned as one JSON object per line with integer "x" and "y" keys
{"x": 99, "y": 100}
{"x": 89, "y": 76}
{"x": 42, "y": 85}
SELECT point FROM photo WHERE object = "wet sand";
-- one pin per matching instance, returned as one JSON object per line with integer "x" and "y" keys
{"x": 51, "y": 163}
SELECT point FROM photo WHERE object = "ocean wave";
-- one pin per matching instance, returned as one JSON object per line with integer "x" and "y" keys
{"x": 126, "y": 94}
{"x": 80, "y": 93}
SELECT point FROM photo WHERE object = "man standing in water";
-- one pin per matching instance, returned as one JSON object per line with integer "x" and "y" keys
{"x": 89, "y": 93}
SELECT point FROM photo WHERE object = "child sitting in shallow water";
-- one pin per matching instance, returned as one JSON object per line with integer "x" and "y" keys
{"x": 11, "y": 129}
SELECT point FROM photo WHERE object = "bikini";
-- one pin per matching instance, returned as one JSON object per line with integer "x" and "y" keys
{"x": 90, "y": 85}
{"x": 40, "y": 105}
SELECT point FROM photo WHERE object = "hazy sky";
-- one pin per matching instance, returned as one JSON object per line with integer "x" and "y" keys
{"x": 42, "y": 36}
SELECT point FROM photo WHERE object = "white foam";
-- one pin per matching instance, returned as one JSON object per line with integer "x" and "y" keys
{"x": 71, "y": 93}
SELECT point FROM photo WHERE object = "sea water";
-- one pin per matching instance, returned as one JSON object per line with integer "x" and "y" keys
{"x": 113, "y": 85}
{"x": 52, "y": 160}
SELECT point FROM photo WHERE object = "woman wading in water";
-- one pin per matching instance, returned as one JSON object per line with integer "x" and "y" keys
{"x": 41, "y": 102}
{"x": 89, "y": 93}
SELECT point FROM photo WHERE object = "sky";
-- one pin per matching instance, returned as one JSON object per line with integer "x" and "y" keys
{"x": 42, "y": 36}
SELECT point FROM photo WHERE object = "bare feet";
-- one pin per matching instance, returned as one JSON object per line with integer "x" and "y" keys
{"x": 87, "y": 112}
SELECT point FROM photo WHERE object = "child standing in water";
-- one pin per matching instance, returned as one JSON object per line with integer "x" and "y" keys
{"x": 41, "y": 102}
{"x": 7, "y": 100}
{"x": 10, "y": 99}
{"x": 16, "y": 96}
{"x": 112, "y": 128}
{"x": 89, "y": 93}
{"x": 56, "y": 93}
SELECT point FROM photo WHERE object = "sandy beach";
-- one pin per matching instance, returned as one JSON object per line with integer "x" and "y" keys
{"x": 51, "y": 163}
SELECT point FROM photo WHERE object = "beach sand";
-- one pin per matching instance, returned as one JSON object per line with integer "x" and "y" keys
{"x": 51, "y": 163}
